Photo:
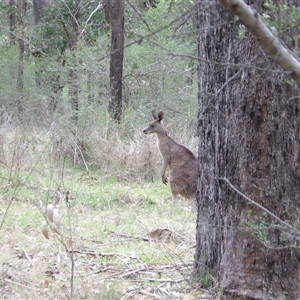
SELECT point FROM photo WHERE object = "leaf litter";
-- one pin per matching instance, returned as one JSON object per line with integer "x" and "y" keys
{"x": 111, "y": 260}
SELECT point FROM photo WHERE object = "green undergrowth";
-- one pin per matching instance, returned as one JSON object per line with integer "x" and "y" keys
{"x": 93, "y": 189}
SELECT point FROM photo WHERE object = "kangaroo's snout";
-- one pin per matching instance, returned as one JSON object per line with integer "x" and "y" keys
{"x": 147, "y": 130}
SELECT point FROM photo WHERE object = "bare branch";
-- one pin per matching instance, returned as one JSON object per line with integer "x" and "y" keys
{"x": 224, "y": 63}
{"x": 88, "y": 19}
{"x": 287, "y": 225}
{"x": 139, "y": 14}
{"x": 265, "y": 37}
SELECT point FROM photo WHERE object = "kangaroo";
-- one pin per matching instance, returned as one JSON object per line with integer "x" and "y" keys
{"x": 182, "y": 162}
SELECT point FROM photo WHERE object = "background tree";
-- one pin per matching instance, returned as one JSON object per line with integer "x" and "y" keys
{"x": 248, "y": 130}
{"x": 60, "y": 31}
{"x": 40, "y": 49}
{"x": 116, "y": 58}
{"x": 12, "y": 20}
{"x": 74, "y": 78}
{"x": 17, "y": 10}
{"x": 40, "y": 7}
{"x": 149, "y": 71}
{"x": 21, "y": 17}
{"x": 50, "y": 41}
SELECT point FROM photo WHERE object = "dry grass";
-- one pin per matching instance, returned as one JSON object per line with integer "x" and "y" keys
{"x": 114, "y": 255}
{"x": 122, "y": 238}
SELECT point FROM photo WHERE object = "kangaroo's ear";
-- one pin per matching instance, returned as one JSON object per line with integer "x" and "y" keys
{"x": 154, "y": 114}
{"x": 160, "y": 116}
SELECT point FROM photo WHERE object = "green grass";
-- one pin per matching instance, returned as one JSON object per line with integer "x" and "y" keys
{"x": 105, "y": 224}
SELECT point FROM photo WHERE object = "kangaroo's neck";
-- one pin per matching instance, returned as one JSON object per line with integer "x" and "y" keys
{"x": 161, "y": 136}
{"x": 163, "y": 141}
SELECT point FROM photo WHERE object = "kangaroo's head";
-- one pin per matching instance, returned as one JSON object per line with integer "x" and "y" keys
{"x": 156, "y": 126}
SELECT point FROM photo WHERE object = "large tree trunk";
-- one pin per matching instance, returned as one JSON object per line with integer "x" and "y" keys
{"x": 116, "y": 58}
{"x": 249, "y": 134}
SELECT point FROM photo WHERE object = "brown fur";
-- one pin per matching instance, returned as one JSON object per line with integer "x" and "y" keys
{"x": 181, "y": 161}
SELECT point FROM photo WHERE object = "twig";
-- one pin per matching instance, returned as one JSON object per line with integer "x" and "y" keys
{"x": 143, "y": 292}
{"x": 233, "y": 65}
{"x": 133, "y": 272}
{"x": 146, "y": 239}
{"x": 93, "y": 253}
{"x": 71, "y": 252}
{"x": 279, "y": 248}
{"x": 71, "y": 14}
{"x": 88, "y": 19}
{"x": 15, "y": 193}
{"x": 95, "y": 272}
{"x": 294, "y": 98}
{"x": 129, "y": 295}
{"x": 139, "y": 14}
{"x": 82, "y": 156}
{"x": 92, "y": 241}
{"x": 297, "y": 232}
{"x": 22, "y": 285}
{"x": 26, "y": 255}
{"x": 112, "y": 275}
{"x": 27, "y": 42}
{"x": 161, "y": 289}
{"x": 166, "y": 280}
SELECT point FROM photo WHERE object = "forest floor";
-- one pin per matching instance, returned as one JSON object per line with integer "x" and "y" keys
{"x": 118, "y": 241}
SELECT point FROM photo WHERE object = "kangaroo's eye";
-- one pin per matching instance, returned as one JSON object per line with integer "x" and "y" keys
{"x": 151, "y": 126}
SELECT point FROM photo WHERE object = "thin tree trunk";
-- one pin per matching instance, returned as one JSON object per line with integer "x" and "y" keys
{"x": 90, "y": 87}
{"x": 38, "y": 10}
{"x": 116, "y": 58}
{"x": 106, "y": 8}
{"x": 248, "y": 134}
{"x": 39, "y": 7}
{"x": 12, "y": 21}
{"x": 74, "y": 89}
{"x": 22, "y": 8}
{"x": 74, "y": 79}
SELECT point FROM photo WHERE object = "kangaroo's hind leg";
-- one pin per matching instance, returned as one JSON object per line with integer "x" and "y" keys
{"x": 174, "y": 197}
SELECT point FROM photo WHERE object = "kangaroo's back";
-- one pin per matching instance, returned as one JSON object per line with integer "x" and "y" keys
{"x": 181, "y": 161}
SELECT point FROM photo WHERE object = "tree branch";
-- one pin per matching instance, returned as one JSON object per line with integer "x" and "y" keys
{"x": 285, "y": 224}
{"x": 88, "y": 19}
{"x": 267, "y": 40}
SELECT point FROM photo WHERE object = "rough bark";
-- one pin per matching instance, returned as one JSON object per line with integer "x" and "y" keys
{"x": 248, "y": 133}
{"x": 116, "y": 58}
{"x": 269, "y": 41}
